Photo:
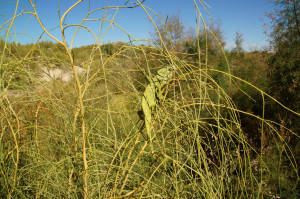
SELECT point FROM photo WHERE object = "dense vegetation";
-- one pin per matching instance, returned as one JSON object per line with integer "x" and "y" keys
{"x": 227, "y": 126}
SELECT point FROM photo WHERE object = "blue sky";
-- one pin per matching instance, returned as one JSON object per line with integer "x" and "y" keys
{"x": 244, "y": 16}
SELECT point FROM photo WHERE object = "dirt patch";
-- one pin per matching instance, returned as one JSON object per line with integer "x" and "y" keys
{"x": 49, "y": 74}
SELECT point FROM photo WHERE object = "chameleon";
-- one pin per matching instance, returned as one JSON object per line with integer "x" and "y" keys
{"x": 152, "y": 96}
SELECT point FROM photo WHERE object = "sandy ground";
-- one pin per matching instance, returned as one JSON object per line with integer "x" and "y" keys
{"x": 49, "y": 74}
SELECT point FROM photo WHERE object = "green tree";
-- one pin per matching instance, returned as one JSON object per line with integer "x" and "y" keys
{"x": 284, "y": 81}
{"x": 284, "y": 65}
{"x": 211, "y": 38}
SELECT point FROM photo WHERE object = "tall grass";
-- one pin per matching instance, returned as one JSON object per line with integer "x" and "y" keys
{"x": 84, "y": 139}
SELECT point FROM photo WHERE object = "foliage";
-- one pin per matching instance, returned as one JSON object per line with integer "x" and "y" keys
{"x": 285, "y": 63}
{"x": 209, "y": 39}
